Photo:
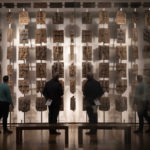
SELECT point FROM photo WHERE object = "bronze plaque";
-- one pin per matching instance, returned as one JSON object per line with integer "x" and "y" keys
{"x": 72, "y": 86}
{"x": 86, "y": 67}
{"x": 58, "y": 18}
{"x": 41, "y": 52}
{"x": 104, "y": 17}
{"x": 40, "y": 35}
{"x": 135, "y": 17}
{"x": 58, "y": 36}
{"x": 121, "y": 69}
{"x": 23, "y": 70}
{"x": 24, "y": 104}
{"x": 87, "y": 52}
{"x": 71, "y": 52}
{"x": 58, "y": 67}
{"x": 9, "y": 17}
{"x": 23, "y": 52}
{"x": 40, "y": 104}
{"x": 73, "y": 103}
{"x": 10, "y": 52}
{"x": 10, "y": 35}
{"x": 86, "y": 36}
{"x": 104, "y": 104}
{"x": 104, "y": 35}
{"x": 121, "y": 86}
{"x": 134, "y": 52}
{"x": 121, "y": 36}
{"x": 103, "y": 52}
{"x": 24, "y": 36}
{"x": 135, "y": 34}
{"x": 41, "y": 17}
{"x": 146, "y": 35}
{"x": 86, "y": 18}
{"x": 58, "y": 53}
{"x": 146, "y": 51}
{"x": 105, "y": 85}
{"x": 104, "y": 70}
{"x": 120, "y": 17}
{"x": 41, "y": 70}
{"x": 121, "y": 103}
{"x": 121, "y": 52}
{"x": 10, "y": 70}
{"x": 23, "y": 17}
{"x": 40, "y": 86}
{"x": 147, "y": 18}
{"x": 24, "y": 86}
{"x": 72, "y": 70}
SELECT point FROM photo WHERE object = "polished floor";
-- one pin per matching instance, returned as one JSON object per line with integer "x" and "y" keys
{"x": 104, "y": 140}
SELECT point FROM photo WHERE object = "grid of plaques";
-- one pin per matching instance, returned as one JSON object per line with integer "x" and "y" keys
{"x": 146, "y": 48}
{"x": 121, "y": 65}
{"x": 41, "y": 57}
{"x": 58, "y": 36}
{"x": 58, "y": 50}
{"x": 72, "y": 66}
{"x": 103, "y": 57}
{"x": 10, "y": 49}
{"x": 23, "y": 52}
{"x": 133, "y": 51}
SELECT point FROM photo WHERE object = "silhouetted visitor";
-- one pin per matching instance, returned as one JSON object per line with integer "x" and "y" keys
{"x": 52, "y": 92}
{"x": 92, "y": 91}
{"x": 141, "y": 100}
{"x": 5, "y": 101}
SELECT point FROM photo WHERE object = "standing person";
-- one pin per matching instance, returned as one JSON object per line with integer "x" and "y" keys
{"x": 52, "y": 92}
{"x": 141, "y": 100}
{"x": 92, "y": 90}
{"x": 5, "y": 101}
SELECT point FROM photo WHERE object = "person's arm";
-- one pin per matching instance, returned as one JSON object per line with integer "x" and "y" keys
{"x": 9, "y": 98}
{"x": 84, "y": 89}
{"x": 60, "y": 90}
{"x": 145, "y": 97}
{"x": 135, "y": 95}
{"x": 44, "y": 92}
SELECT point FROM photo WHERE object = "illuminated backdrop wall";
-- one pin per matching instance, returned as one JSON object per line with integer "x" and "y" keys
{"x": 113, "y": 42}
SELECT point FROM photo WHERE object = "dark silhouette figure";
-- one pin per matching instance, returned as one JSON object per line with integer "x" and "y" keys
{"x": 5, "y": 101}
{"x": 141, "y": 101}
{"x": 91, "y": 91}
{"x": 53, "y": 91}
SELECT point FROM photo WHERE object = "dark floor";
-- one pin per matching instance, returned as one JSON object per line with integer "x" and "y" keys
{"x": 104, "y": 140}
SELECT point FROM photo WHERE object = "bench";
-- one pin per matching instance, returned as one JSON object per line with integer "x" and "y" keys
{"x": 22, "y": 127}
{"x": 127, "y": 129}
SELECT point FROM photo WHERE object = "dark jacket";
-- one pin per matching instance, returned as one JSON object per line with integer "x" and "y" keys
{"x": 92, "y": 90}
{"x": 53, "y": 90}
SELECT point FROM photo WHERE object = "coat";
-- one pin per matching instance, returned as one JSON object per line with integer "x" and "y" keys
{"x": 53, "y": 90}
{"x": 92, "y": 90}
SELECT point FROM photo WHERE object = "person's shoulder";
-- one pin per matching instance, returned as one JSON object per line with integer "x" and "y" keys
{"x": 94, "y": 80}
{"x": 49, "y": 81}
{"x": 5, "y": 85}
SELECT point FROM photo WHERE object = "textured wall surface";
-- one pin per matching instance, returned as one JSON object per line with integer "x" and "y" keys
{"x": 68, "y": 115}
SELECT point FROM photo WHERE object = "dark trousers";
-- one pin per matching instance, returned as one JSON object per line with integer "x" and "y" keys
{"x": 4, "y": 110}
{"x": 53, "y": 114}
{"x": 143, "y": 114}
{"x": 93, "y": 117}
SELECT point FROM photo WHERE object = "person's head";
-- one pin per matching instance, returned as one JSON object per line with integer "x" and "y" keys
{"x": 56, "y": 76}
{"x": 89, "y": 75}
{"x": 139, "y": 78}
{"x": 5, "y": 79}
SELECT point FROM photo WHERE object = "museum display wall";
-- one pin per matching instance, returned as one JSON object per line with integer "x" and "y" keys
{"x": 110, "y": 40}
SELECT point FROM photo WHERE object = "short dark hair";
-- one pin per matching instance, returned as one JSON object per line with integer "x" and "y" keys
{"x": 5, "y": 79}
{"x": 139, "y": 78}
